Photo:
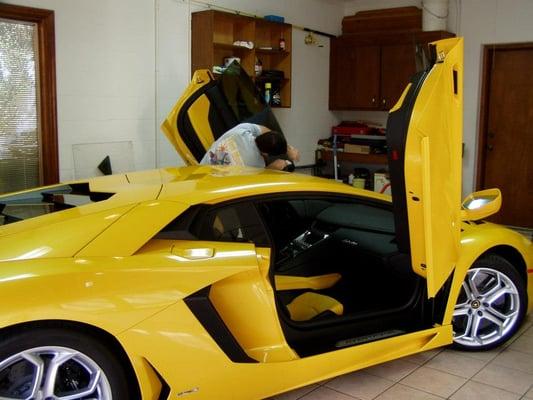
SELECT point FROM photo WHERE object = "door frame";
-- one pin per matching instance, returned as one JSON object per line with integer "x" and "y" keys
{"x": 44, "y": 20}
{"x": 488, "y": 56}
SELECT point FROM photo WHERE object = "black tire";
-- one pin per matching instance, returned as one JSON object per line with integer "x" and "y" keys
{"x": 497, "y": 265}
{"x": 15, "y": 343}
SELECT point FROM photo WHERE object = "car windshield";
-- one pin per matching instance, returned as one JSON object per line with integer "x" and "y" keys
{"x": 34, "y": 203}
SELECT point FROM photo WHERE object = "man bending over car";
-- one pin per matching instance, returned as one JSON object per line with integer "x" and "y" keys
{"x": 252, "y": 145}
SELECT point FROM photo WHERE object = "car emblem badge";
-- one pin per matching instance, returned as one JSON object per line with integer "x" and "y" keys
{"x": 475, "y": 304}
{"x": 186, "y": 392}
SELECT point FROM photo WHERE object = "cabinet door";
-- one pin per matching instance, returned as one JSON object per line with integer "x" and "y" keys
{"x": 341, "y": 84}
{"x": 354, "y": 76}
{"x": 397, "y": 67}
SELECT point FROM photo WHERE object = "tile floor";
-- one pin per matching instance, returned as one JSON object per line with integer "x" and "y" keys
{"x": 505, "y": 373}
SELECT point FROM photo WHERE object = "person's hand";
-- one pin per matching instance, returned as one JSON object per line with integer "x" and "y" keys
{"x": 293, "y": 153}
{"x": 279, "y": 164}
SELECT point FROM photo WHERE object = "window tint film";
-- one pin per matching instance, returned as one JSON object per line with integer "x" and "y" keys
{"x": 234, "y": 223}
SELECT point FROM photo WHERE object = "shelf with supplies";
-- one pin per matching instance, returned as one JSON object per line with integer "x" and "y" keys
{"x": 262, "y": 47}
{"x": 327, "y": 155}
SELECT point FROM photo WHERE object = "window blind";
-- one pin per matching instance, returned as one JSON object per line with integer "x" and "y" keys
{"x": 19, "y": 136}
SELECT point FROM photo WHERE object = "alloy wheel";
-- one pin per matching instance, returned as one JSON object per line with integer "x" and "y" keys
{"x": 52, "y": 373}
{"x": 487, "y": 309}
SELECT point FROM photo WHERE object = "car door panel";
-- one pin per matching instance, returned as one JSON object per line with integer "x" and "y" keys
{"x": 425, "y": 135}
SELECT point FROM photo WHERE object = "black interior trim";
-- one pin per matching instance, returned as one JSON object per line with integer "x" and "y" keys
{"x": 221, "y": 117}
{"x": 184, "y": 126}
{"x": 202, "y": 308}
{"x": 397, "y": 129}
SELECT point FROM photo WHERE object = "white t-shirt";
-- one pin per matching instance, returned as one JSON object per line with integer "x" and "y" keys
{"x": 236, "y": 147}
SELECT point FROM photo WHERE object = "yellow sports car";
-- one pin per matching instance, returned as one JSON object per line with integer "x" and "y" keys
{"x": 209, "y": 282}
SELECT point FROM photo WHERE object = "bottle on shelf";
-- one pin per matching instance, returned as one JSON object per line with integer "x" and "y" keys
{"x": 258, "y": 67}
{"x": 268, "y": 88}
{"x": 282, "y": 43}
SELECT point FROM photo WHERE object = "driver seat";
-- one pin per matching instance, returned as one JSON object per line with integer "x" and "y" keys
{"x": 310, "y": 305}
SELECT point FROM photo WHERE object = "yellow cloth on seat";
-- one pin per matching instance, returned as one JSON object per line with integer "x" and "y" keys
{"x": 310, "y": 304}
{"x": 289, "y": 282}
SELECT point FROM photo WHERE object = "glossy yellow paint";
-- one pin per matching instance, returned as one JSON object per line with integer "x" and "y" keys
{"x": 213, "y": 184}
{"x": 188, "y": 358}
{"x": 247, "y": 307}
{"x": 149, "y": 382}
{"x": 197, "y": 116}
{"x": 59, "y": 238}
{"x": 433, "y": 168}
{"x": 482, "y": 204}
{"x": 139, "y": 225}
{"x": 477, "y": 240}
{"x": 113, "y": 293}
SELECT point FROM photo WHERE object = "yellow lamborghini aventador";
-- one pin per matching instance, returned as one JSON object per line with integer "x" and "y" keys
{"x": 187, "y": 282}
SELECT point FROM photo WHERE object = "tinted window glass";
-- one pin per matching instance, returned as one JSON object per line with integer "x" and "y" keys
{"x": 234, "y": 223}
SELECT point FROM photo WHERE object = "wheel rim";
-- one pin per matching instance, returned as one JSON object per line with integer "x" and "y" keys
{"x": 52, "y": 373}
{"x": 487, "y": 308}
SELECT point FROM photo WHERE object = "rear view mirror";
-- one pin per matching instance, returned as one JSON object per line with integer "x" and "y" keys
{"x": 479, "y": 205}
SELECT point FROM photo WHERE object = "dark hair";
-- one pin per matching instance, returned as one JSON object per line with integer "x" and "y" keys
{"x": 272, "y": 143}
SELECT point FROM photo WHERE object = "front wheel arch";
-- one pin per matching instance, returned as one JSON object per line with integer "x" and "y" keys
{"x": 104, "y": 337}
{"x": 512, "y": 255}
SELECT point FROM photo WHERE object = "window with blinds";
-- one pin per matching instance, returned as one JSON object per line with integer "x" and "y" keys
{"x": 19, "y": 124}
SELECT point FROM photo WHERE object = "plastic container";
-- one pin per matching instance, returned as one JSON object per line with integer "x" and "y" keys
{"x": 359, "y": 183}
{"x": 268, "y": 88}
{"x": 282, "y": 44}
{"x": 275, "y": 18}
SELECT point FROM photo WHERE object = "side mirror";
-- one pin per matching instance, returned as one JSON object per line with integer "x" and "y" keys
{"x": 479, "y": 205}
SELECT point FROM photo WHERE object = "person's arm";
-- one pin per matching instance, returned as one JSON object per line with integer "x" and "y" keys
{"x": 279, "y": 164}
{"x": 263, "y": 129}
{"x": 293, "y": 153}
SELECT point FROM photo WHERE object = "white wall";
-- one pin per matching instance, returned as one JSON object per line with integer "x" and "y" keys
{"x": 480, "y": 22}
{"x": 121, "y": 65}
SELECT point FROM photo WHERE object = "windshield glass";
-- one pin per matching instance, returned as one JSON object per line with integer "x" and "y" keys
{"x": 34, "y": 203}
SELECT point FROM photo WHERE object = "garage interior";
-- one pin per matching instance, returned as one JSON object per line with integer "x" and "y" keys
{"x": 87, "y": 84}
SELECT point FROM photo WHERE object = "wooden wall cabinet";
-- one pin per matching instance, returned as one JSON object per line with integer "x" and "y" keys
{"x": 370, "y": 71}
{"x": 214, "y": 34}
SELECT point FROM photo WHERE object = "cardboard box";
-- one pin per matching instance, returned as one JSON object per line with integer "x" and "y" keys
{"x": 356, "y": 148}
{"x": 382, "y": 183}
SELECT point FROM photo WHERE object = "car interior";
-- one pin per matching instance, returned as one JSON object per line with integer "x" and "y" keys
{"x": 338, "y": 275}
{"x": 331, "y": 260}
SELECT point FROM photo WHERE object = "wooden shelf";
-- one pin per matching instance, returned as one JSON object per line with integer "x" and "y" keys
{"x": 327, "y": 155}
{"x": 272, "y": 51}
{"x": 213, "y": 35}
{"x": 229, "y": 46}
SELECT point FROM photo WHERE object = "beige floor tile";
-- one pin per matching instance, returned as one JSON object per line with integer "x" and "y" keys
{"x": 295, "y": 394}
{"x": 528, "y": 331}
{"x": 523, "y": 343}
{"x": 477, "y": 355}
{"x": 474, "y": 390}
{"x": 422, "y": 358}
{"x": 402, "y": 392}
{"x": 324, "y": 393}
{"x": 360, "y": 384}
{"x": 515, "y": 359}
{"x": 529, "y": 394}
{"x": 456, "y": 364}
{"x": 512, "y": 380}
{"x": 433, "y": 381}
{"x": 394, "y": 370}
